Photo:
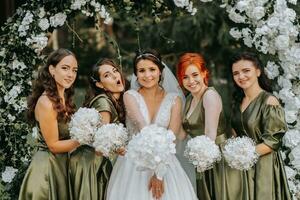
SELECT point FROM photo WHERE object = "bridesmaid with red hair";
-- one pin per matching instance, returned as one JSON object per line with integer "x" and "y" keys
{"x": 203, "y": 115}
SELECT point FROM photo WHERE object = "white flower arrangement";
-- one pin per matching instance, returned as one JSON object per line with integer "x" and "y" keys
{"x": 84, "y": 124}
{"x": 240, "y": 153}
{"x": 152, "y": 148}
{"x": 110, "y": 137}
{"x": 202, "y": 152}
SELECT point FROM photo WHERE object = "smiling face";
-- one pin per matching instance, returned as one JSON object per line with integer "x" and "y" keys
{"x": 148, "y": 73}
{"x": 245, "y": 74}
{"x": 65, "y": 72}
{"x": 110, "y": 79}
{"x": 193, "y": 80}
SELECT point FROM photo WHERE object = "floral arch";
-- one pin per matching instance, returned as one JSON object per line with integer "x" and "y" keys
{"x": 269, "y": 26}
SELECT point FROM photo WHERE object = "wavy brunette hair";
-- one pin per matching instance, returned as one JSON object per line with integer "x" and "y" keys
{"x": 263, "y": 81}
{"x": 95, "y": 91}
{"x": 46, "y": 83}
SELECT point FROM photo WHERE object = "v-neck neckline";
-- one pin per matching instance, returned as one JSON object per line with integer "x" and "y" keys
{"x": 251, "y": 102}
{"x": 189, "y": 106}
{"x": 151, "y": 121}
{"x": 196, "y": 106}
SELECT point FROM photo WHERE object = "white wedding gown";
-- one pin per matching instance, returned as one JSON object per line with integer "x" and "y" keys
{"x": 126, "y": 182}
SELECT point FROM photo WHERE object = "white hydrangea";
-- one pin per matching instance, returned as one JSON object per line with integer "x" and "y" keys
{"x": 44, "y": 24}
{"x": 291, "y": 138}
{"x": 294, "y": 157}
{"x": 9, "y": 174}
{"x": 58, "y": 19}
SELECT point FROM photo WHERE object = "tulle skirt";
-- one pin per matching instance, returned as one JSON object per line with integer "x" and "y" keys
{"x": 128, "y": 183}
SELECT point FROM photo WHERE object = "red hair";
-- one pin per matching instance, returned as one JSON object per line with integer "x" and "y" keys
{"x": 188, "y": 59}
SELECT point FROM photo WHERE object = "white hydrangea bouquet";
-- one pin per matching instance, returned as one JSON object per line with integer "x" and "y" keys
{"x": 83, "y": 125}
{"x": 240, "y": 153}
{"x": 151, "y": 149}
{"x": 202, "y": 152}
{"x": 110, "y": 137}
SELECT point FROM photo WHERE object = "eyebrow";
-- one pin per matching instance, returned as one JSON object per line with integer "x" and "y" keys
{"x": 69, "y": 66}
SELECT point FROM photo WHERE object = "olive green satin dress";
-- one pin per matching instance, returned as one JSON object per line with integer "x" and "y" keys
{"x": 211, "y": 183}
{"x": 89, "y": 173}
{"x": 264, "y": 124}
{"x": 46, "y": 177}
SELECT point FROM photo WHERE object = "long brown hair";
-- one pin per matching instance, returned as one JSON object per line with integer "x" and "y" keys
{"x": 95, "y": 91}
{"x": 46, "y": 83}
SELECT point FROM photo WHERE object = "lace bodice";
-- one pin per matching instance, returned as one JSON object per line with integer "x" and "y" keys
{"x": 137, "y": 115}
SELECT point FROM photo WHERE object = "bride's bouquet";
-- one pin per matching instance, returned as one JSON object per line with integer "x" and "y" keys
{"x": 151, "y": 149}
{"x": 83, "y": 125}
{"x": 240, "y": 153}
{"x": 202, "y": 152}
{"x": 110, "y": 137}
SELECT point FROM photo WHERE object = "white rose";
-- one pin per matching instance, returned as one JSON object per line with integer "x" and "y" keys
{"x": 42, "y": 12}
{"x": 235, "y": 33}
{"x": 293, "y": 2}
{"x": 237, "y": 18}
{"x": 181, "y": 3}
{"x": 271, "y": 70}
{"x": 242, "y": 5}
{"x": 284, "y": 82}
{"x": 273, "y": 22}
{"x": 290, "y": 173}
{"x": 44, "y": 24}
{"x": 258, "y": 13}
{"x": 58, "y": 19}
{"x": 291, "y": 116}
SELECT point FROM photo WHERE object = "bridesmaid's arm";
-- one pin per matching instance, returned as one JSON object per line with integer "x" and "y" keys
{"x": 47, "y": 118}
{"x": 263, "y": 149}
{"x": 175, "y": 119}
{"x": 182, "y": 134}
{"x": 106, "y": 117}
{"x": 212, "y": 104}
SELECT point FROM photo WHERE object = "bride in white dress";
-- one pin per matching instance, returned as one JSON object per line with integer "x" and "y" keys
{"x": 150, "y": 104}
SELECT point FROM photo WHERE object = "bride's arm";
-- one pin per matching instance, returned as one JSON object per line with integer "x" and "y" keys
{"x": 132, "y": 111}
{"x": 175, "y": 119}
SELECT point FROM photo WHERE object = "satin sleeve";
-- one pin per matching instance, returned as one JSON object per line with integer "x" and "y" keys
{"x": 274, "y": 126}
{"x": 102, "y": 104}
